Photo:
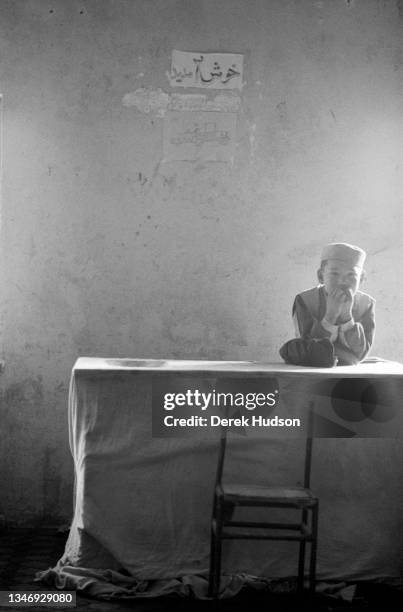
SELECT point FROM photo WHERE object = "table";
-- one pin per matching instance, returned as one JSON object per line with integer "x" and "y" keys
{"x": 143, "y": 504}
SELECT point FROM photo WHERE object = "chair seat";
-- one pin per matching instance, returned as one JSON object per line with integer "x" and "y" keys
{"x": 243, "y": 494}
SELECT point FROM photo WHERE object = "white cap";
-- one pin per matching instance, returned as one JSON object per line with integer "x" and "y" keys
{"x": 342, "y": 251}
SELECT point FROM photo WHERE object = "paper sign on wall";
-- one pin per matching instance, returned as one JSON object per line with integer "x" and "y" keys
{"x": 206, "y": 136}
{"x": 206, "y": 70}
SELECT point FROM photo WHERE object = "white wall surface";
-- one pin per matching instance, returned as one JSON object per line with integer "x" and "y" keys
{"x": 108, "y": 251}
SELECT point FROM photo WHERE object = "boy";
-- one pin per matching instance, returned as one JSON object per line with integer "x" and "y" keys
{"x": 336, "y": 309}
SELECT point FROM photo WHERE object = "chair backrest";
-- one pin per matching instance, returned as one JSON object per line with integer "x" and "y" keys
{"x": 308, "y": 450}
{"x": 221, "y": 455}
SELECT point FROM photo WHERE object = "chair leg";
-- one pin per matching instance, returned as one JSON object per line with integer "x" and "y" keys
{"x": 215, "y": 554}
{"x": 213, "y": 562}
{"x": 301, "y": 566}
{"x": 301, "y": 558}
{"x": 314, "y": 545}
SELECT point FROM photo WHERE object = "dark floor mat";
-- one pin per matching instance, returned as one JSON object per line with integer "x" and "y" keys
{"x": 24, "y": 552}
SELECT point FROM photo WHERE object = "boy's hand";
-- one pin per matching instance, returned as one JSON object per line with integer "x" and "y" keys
{"x": 347, "y": 306}
{"x": 338, "y": 304}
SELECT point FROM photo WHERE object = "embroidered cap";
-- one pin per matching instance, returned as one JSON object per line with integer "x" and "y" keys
{"x": 348, "y": 253}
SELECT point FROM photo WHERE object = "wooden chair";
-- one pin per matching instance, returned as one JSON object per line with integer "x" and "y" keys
{"x": 229, "y": 496}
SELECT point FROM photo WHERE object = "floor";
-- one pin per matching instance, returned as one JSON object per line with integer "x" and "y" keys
{"x": 23, "y": 552}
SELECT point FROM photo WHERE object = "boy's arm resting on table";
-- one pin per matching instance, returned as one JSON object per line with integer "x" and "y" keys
{"x": 307, "y": 326}
{"x": 358, "y": 336}
{"x": 352, "y": 340}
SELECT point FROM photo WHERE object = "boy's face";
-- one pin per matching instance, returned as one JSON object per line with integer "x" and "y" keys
{"x": 337, "y": 273}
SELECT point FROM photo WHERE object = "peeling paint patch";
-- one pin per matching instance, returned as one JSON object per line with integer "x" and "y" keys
{"x": 188, "y": 102}
{"x": 158, "y": 101}
{"x": 230, "y": 103}
{"x": 148, "y": 100}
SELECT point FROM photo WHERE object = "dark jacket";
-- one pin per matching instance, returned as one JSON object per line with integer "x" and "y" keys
{"x": 353, "y": 340}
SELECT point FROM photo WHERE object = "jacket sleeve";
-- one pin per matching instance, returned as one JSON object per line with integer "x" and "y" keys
{"x": 306, "y": 325}
{"x": 358, "y": 336}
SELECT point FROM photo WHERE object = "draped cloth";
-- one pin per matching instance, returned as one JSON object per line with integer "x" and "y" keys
{"x": 142, "y": 505}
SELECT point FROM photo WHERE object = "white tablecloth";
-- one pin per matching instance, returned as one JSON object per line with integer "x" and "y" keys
{"x": 143, "y": 504}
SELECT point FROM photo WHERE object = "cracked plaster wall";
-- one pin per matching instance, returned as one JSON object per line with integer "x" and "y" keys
{"x": 107, "y": 251}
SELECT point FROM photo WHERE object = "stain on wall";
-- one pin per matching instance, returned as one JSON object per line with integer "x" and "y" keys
{"x": 148, "y": 100}
{"x": 108, "y": 251}
{"x": 158, "y": 101}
